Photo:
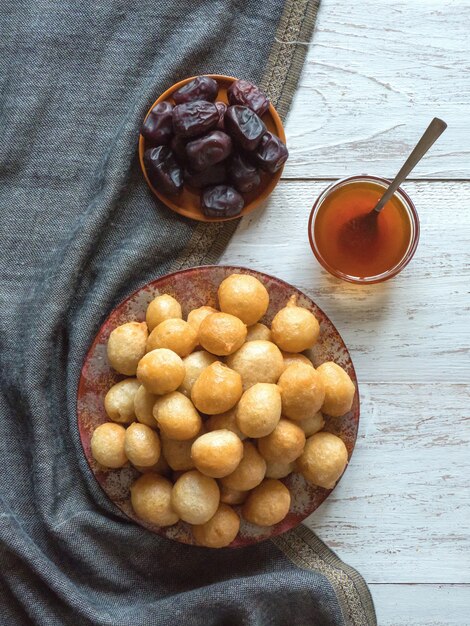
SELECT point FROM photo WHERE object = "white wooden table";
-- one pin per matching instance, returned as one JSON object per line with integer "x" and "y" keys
{"x": 375, "y": 75}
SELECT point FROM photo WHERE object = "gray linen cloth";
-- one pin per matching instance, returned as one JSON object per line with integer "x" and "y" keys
{"x": 79, "y": 231}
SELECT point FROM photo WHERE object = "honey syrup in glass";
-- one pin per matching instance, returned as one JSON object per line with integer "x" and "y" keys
{"x": 366, "y": 259}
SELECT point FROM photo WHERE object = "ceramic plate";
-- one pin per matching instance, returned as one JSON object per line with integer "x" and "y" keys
{"x": 187, "y": 202}
{"x": 193, "y": 288}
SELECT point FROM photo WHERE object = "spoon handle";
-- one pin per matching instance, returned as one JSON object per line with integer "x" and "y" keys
{"x": 432, "y": 132}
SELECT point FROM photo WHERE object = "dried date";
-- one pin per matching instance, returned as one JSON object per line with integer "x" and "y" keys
{"x": 208, "y": 150}
{"x": 245, "y": 93}
{"x": 200, "y": 88}
{"x": 194, "y": 118}
{"x": 221, "y": 201}
{"x": 245, "y": 127}
{"x": 163, "y": 170}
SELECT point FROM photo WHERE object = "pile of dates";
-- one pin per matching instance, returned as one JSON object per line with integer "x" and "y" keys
{"x": 217, "y": 148}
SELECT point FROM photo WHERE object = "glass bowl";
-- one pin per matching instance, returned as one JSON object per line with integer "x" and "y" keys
{"x": 404, "y": 200}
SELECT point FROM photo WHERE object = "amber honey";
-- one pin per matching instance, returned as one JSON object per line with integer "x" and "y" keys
{"x": 370, "y": 259}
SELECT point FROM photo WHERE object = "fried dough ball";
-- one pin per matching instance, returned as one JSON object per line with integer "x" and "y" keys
{"x": 339, "y": 389}
{"x": 220, "y": 530}
{"x": 195, "y": 497}
{"x": 143, "y": 406}
{"x": 119, "y": 401}
{"x": 162, "y": 308}
{"x": 302, "y": 391}
{"x": 194, "y": 364}
{"x": 232, "y": 496}
{"x": 142, "y": 445}
{"x": 176, "y": 416}
{"x": 107, "y": 445}
{"x": 259, "y": 410}
{"x": 243, "y": 296}
{"x": 217, "y": 389}
{"x": 311, "y": 425}
{"x": 178, "y": 453}
{"x": 278, "y": 469}
{"x": 196, "y": 316}
{"x": 226, "y": 421}
{"x": 285, "y": 443}
{"x": 267, "y": 504}
{"x": 217, "y": 453}
{"x": 257, "y": 362}
{"x": 160, "y": 371}
{"x": 160, "y": 467}
{"x": 250, "y": 471}
{"x": 221, "y": 333}
{"x": 294, "y": 328}
{"x": 174, "y": 334}
{"x": 151, "y": 500}
{"x": 323, "y": 460}
{"x": 294, "y": 357}
{"x": 126, "y": 346}
{"x": 258, "y": 332}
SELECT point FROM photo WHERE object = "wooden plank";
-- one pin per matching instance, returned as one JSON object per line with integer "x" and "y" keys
{"x": 422, "y": 605}
{"x": 401, "y": 513}
{"x": 412, "y": 328}
{"x": 375, "y": 75}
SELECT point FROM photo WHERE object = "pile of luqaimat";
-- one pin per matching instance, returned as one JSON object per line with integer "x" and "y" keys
{"x": 218, "y": 408}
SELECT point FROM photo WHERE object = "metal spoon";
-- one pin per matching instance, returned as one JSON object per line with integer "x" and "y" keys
{"x": 361, "y": 230}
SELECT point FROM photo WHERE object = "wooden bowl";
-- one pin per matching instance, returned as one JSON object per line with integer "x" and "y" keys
{"x": 187, "y": 202}
{"x": 193, "y": 288}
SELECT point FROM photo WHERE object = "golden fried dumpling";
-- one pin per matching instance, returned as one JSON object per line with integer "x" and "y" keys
{"x": 162, "y": 308}
{"x": 217, "y": 453}
{"x": 258, "y": 331}
{"x": 178, "y": 453}
{"x": 160, "y": 371}
{"x": 217, "y": 389}
{"x": 176, "y": 416}
{"x": 323, "y": 460}
{"x": 279, "y": 469}
{"x": 339, "y": 389}
{"x": 221, "y": 333}
{"x": 294, "y": 328}
{"x": 295, "y": 357}
{"x": 195, "y": 497}
{"x": 250, "y": 471}
{"x": 244, "y": 296}
{"x": 267, "y": 504}
{"x": 143, "y": 406}
{"x": 313, "y": 424}
{"x": 160, "y": 467}
{"x": 119, "y": 401}
{"x": 220, "y": 530}
{"x": 196, "y": 316}
{"x": 227, "y": 420}
{"x": 151, "y": 500}
{"x": 126, "y": 346}
{"x": 142, "y": 445}
{"x": 232, "y": 496}
{"x": 285, "y": 443}
{"x": 257, "y": 362}
{"x": 302, "y": 391}
{"x": 194, "y": 364}
{"x": 107, "y": 445}
{"x": 259, "y": 410}
{"x": 174, "y": 334}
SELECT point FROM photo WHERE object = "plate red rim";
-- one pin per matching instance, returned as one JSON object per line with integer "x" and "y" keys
{"x": 278, "y": 528}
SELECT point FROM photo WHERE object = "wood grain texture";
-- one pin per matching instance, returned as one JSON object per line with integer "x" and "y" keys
{"x": 401, "y": 513}
{"x": 421, "y": 605}
{"x": 413, "y": 328}
{"x": 375, "y": 75}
